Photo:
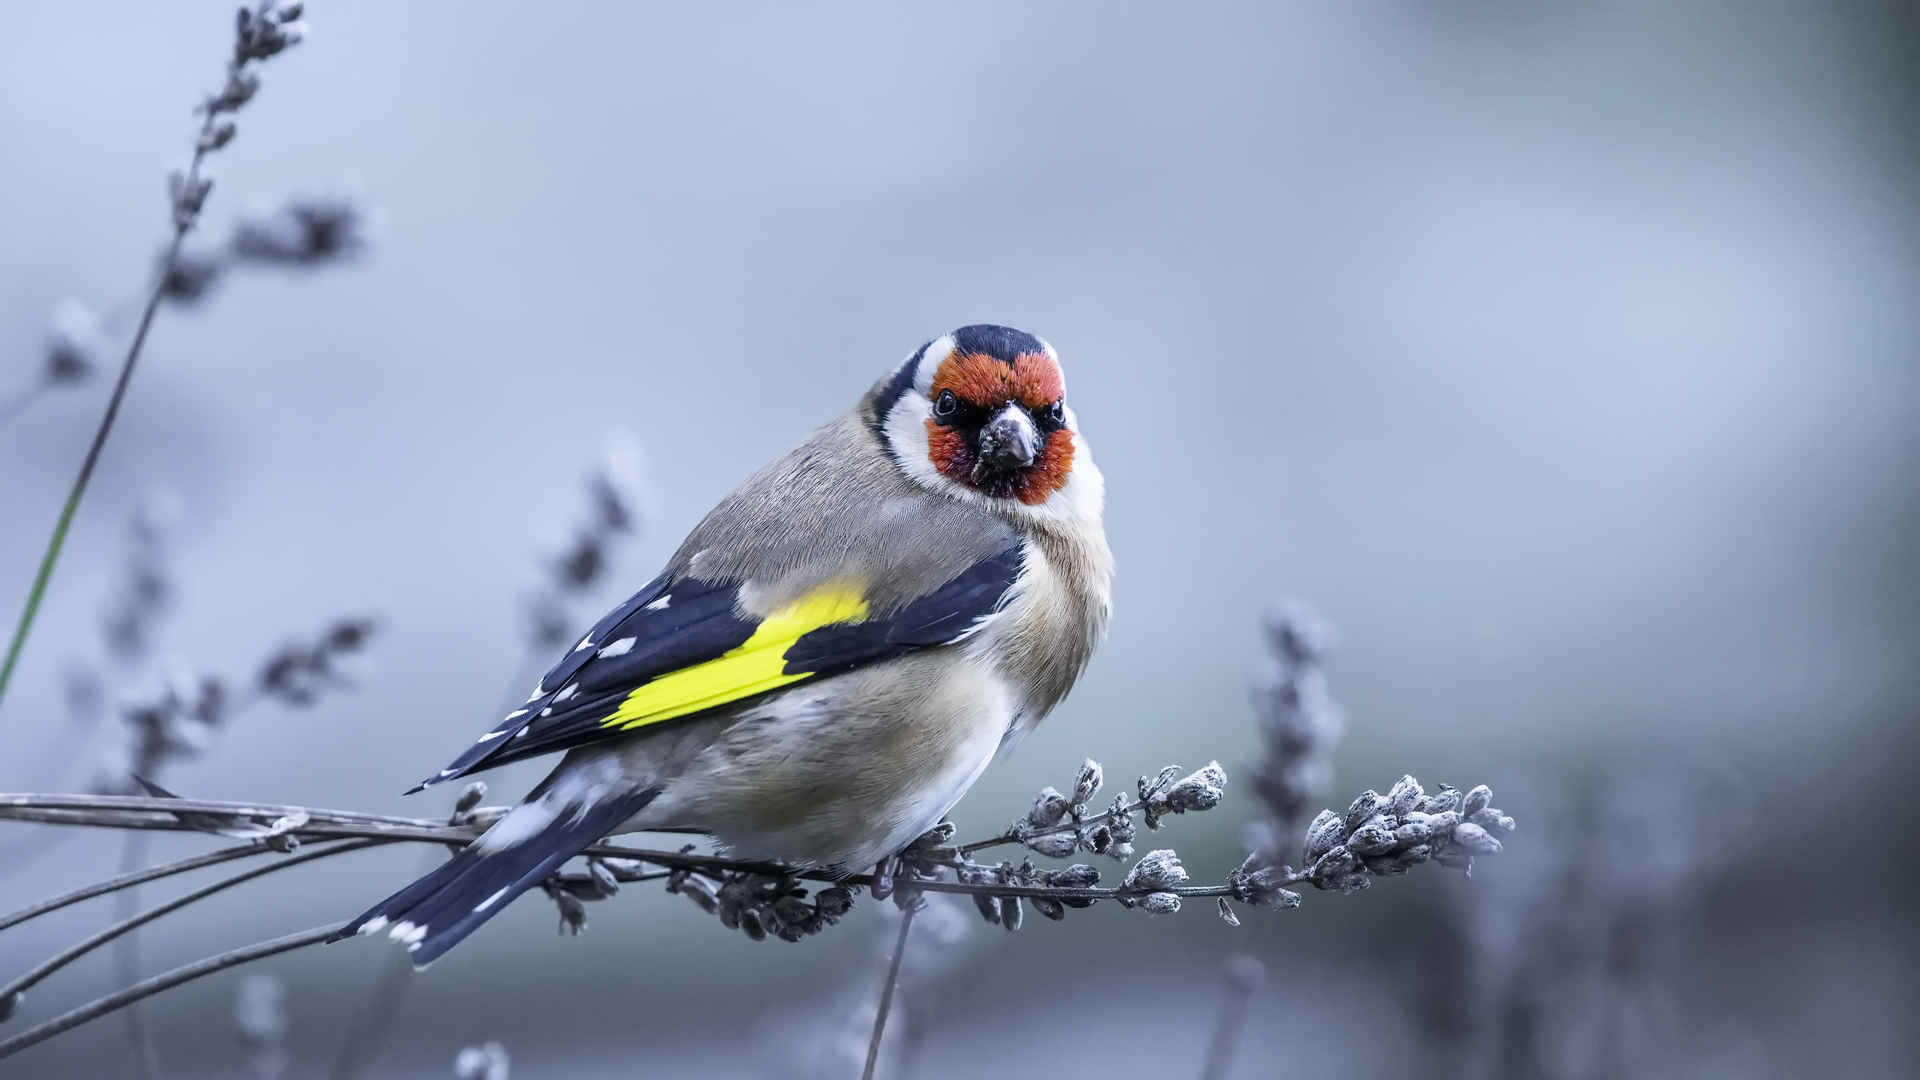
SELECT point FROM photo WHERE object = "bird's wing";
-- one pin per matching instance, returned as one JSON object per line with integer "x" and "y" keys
{"x": 683, "y": 646}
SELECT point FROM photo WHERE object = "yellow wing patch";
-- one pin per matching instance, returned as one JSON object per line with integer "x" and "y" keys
{"x": 756, "y": 666}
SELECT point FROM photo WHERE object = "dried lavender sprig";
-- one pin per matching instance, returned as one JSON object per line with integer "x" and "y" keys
{"x": 258, "y": 35}
{"x": 614, "y": 510}
{"x": 1059, "y": 825}
{"x": 1299, "y": 724}
{"x": 135, "y": 812}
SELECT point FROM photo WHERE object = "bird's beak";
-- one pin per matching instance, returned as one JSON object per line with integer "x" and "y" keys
{"x": 1007, "y": 442}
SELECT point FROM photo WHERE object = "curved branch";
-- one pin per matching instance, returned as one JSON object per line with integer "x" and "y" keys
{"x": 140, "y": 812}
{"x": 138, "y": 877}
{"x": 146, "y": 988}
{"x": 87, "y": 945}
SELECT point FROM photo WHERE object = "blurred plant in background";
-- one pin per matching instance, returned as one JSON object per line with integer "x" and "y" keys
{"x": 304, "y": 233}
{"x": 1569, "y": 970}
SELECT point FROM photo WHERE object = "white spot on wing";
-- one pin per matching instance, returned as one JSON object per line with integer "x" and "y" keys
{"x": 585, "y": 644}
{"x": 571, "y": 689}
{"x": 523, "y": 824}
{"x": 491, "y": 900}
{"x": 374, "y": 925}
{"x": 618, "y": 648}
{"x": 490, "y": 736}
{"x": 658, "y": 605}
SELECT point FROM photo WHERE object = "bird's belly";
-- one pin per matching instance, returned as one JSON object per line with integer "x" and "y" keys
{"x": 847, "y": 770}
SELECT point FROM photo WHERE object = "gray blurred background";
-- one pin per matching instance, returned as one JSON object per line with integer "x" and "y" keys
{"x": 1562, "y": 357}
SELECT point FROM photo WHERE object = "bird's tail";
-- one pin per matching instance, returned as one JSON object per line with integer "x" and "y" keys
{"x": 438, "y": 911}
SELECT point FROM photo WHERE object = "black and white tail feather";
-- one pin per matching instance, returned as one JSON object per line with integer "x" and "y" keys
{"x": 438, "y": 911}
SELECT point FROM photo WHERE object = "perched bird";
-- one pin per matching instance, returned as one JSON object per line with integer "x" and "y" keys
{"x": 834, "y": 654}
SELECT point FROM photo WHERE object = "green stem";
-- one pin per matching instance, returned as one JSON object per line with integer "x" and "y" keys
{"x": 59, "y": 538}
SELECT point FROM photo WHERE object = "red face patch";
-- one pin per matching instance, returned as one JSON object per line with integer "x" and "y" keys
{"x": 1033, "y": 381}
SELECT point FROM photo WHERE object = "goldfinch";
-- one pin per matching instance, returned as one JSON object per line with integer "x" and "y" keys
{"x": 831, "y": 658}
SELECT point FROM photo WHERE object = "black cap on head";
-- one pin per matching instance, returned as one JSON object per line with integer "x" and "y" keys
{"x": 1000, "y": 342}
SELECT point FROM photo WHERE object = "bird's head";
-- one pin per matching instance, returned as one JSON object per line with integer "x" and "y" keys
{"x": 981, "y": 413}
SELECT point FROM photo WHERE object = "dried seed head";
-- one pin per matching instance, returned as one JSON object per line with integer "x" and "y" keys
{"x": 1199, "y": 790}
{"x": 1226, "y": 913}
{"x": 1156, "y": 869}
{"x": 1087, "y": 784}
{"x": 1374, "y": 838}
{"x": 1010, "y": 913}
{"x": 1476, "y": 800}
{"x": 1324, "y": 834}
{"x": 573, "y": 913}
{"x": 470, "y": 796}
{"x": 1476, "y": 840}
{"x": 1404, "y": 795}
{"x": 834, "y": 901}
{"x": 1048, "y": 808}
{"x": 1365, "y": 806}
{"x": 1077, "y": 876}
{"x": 1160, "y": 903}
{"x": 1058, "y": 845}
{"x": 1152, "y": 789}
{"x": 1493, "y": 820}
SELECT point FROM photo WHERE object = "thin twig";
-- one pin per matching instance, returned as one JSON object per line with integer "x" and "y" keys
{"x": 1013, "y": 837}
{"x": 99, "y": 1007}
{"x": 81, "y": 948}
{"x": 133, "y": 811}
{"x": 1244, "y": 975}
{"x": 59, "y": 537}
{"x": 126, "y": 963}
{"x": 886, "y": 992}
{"x": 101, "y": 888}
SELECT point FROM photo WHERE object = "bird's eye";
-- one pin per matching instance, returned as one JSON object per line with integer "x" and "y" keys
{"x": 1054, "y": 415}
{"x": 946, "y": 404}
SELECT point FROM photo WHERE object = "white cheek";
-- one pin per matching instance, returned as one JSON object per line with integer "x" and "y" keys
{"x": 907, "y": 434}
{"x": 930, "y": 360}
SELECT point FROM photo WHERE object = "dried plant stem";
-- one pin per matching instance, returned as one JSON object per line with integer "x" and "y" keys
{"x": 129, "y": 923}
{"x": 126, "y": 962}
{"x": 1233, "y": 1018}
{"x": 1012, "y": 837}
{"x": 101, "y": 888}
{"x": 886, "y": 992}
{"x": 59, "y": 537}
{"x": 146, "y": 988}
{"x": 139, "y": 812}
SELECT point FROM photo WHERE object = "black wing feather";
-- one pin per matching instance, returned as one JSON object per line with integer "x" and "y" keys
{"x": 699, "y": 622}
